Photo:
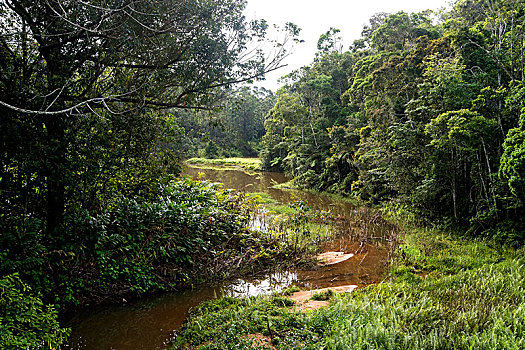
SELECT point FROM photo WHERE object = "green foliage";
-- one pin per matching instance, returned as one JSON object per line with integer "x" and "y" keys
{"x": 86, "y": 111}
{"x": 471, "y": 296}
{"x": 512, "y": 167}
{"x": 25, "y": 322}
{"x": 415, "y": 115}
{"x": 234, "y": 130}
{"x": 91, "y": 96}
{"x": 151, "y": 245}
{"x": 190, "y": 232}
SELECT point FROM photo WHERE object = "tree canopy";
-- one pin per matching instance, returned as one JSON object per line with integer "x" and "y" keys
{"x": 421, "y": 114}
{"x": 84, "y": 81}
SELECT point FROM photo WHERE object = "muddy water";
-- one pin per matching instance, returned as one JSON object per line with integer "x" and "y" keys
{"x": 263, "y": 182}
{"x": 151, "y": 323}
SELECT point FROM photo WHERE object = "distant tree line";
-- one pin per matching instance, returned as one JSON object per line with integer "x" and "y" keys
{"x": 235, "y": 129}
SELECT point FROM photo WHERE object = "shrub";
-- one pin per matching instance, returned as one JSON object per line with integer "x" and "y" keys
{"x": 25, "y": 322}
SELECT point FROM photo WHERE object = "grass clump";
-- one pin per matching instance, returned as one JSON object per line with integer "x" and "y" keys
{"x": 225, "y": 323}
{"x": 263, "y": 198}
{"x": 280, "y": 209}
{"x": 290, "y": 290}
{"x": 324, "y": 295}
{"x": 428, "y": 251}
{"x": 288, "y": 185}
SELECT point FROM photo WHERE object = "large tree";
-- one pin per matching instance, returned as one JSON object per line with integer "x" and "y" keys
{"x": 63, "y": 62}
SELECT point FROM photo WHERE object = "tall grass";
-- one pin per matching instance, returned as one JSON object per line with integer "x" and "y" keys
{"x": 482, "y": 308}
{"x": 444, "y": 292}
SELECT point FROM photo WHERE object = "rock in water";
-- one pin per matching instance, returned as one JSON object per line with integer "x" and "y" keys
{"x": 331, "y": 258}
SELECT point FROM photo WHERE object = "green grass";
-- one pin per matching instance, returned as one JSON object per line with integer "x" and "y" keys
{"x": 445, "y": 292}
{"x": 323, "y": 295}
{"x": 280, "y": 209}
{"x": 223, "y": 323}
{"x": 246, "y": 163}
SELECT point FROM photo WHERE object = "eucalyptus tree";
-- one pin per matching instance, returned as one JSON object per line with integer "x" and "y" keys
{"x": 65, "y": 61}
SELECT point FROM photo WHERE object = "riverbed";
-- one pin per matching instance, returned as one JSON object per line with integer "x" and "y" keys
{"x": 151, "y": 323}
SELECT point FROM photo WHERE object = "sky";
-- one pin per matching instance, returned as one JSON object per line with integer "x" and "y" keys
{"x": 316, "y": 17}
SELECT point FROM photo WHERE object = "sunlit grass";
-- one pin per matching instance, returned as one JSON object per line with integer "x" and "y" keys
{"x": 263, "y": 198}
{"x": 246, "y": 163}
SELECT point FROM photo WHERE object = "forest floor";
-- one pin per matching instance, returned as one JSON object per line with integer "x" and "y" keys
{"x": 442, "y": 292}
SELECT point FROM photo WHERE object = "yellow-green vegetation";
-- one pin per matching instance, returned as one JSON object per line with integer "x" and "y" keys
{"x": 246, "y": 163}
{"x": 445, "y": 292}
{"x": 298, "y": 222}
{"x": 272, "y": 206}
{"x": 25, "y": 322}
{"x": 263, "y": 198}
{"x": 279, "y": 209}
{"x": 286, "y": 185}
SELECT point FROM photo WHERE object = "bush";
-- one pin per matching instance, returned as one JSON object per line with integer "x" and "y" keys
{"x": 132, "y": 245}
{"x": 139, "y": 246}
{"x": 25, "y": 322}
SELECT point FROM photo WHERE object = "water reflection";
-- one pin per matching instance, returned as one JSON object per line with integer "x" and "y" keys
{"x": 265, "y": 182}
{"x": 274, "y": 282}
{"x": 150, "y": 324}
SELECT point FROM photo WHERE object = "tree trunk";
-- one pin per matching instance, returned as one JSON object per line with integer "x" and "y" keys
{"x": 522, "y": 60}
{"x": 55, "y": 201}
{"x": 56, "y": 146}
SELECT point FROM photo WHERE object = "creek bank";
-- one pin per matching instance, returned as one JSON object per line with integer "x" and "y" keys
{"x": 471, "y": 290}
{"x": 250, "y": 164}
{"x": 149, "y": 323}
{"x": 317, "y": 298}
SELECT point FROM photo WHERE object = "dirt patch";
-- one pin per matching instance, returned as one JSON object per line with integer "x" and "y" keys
{"x": 304, "y": 302}
{"x": 260, "y": 341}
{"x": 331, "y": 258}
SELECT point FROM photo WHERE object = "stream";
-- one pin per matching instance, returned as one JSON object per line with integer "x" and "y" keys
{"x": 151, "y": 323}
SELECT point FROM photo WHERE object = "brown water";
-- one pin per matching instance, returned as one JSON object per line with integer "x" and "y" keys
{"x": 151, "y": 323}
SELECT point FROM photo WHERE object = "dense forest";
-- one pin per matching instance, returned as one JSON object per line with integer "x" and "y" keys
{"x": 100, "y": 101}
{"x": 94, "y": 97}
{"x": 425, "y": 112}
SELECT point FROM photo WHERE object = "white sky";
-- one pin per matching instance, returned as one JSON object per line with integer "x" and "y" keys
{"x": 316, "y": 17}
